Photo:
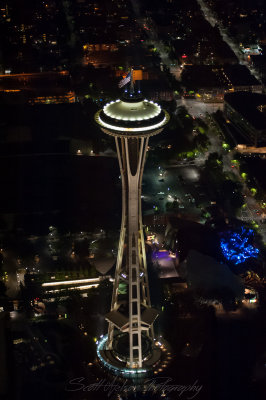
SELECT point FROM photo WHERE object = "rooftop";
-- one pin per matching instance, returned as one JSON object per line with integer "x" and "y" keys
{"x": 217, "y": 76}
{"x": 247, "y": 104}
{"x": 239, "y": 75}
{"x": 127, "y": 111}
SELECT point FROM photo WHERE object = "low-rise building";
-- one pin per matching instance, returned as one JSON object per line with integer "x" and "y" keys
{"x": 245, "y": 110}
{"x": 212, "y": 82}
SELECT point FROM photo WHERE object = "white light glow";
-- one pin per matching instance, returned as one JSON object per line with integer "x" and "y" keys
{"x": 143, "y": 129}
{"x": 73, "y": 282}
{"x": 123, "y": 110}
{"x": 74, "y": 288}
{"x": 112, "y": 115}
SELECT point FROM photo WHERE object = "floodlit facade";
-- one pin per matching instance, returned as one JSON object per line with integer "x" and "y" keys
{"x": 131, "y": 120}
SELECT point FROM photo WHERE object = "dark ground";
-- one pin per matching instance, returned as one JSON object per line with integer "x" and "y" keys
{"x": 71, "y": 192}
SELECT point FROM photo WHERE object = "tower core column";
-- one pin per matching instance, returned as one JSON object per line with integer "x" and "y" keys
{"x": 131, "y": 121}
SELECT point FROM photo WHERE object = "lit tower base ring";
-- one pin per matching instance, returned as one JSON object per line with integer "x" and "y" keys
{"x": 131, "y": 121}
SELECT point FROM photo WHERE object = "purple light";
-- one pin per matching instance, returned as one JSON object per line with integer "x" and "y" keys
{"x": 161, "y": 255}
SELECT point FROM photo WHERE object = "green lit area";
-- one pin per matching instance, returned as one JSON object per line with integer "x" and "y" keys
{"x": 122, "y": 289}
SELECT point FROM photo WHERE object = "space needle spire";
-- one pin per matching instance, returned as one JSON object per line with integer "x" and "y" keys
{"x": 131, "y": 121}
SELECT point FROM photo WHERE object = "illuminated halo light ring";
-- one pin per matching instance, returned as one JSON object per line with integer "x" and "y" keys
{"x": 132, "y": 121}
{"x": 120, "y": 117}
{"x": 133, "y": 372}
{"x": 127, "y": 111}
{"x": 146, "y": 130}
{"x": 124, "y": 371}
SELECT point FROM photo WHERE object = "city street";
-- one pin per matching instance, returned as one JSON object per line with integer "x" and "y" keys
{"x": 252, "y": 210}
{"x": 212, "y": 19}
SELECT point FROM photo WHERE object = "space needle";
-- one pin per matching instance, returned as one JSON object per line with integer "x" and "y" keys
{"x": 129, "y": 346}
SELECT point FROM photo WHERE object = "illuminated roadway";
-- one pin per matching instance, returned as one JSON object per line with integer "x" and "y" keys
{"x": 252, "y": 206}
{"x": 213, "y": 21}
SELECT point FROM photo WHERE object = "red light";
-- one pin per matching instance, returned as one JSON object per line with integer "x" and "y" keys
{"x": 184, "y": 56}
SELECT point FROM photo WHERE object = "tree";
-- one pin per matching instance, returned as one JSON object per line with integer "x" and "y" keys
{"x": 201, "y": 141}
{"x": 232, "y": 192}
{"x": 174, "y": 206}
{"x": 214, "y": 162}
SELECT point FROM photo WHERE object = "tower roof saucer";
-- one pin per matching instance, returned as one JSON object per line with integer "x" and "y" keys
{"x": 132, "y": 116}
{"x": 136, "y": 110}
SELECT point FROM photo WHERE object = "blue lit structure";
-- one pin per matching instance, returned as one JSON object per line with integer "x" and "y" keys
{"x": 126, "y": 372}
{"x": 237, "y": 246}
{"x": 135, "y": 374}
